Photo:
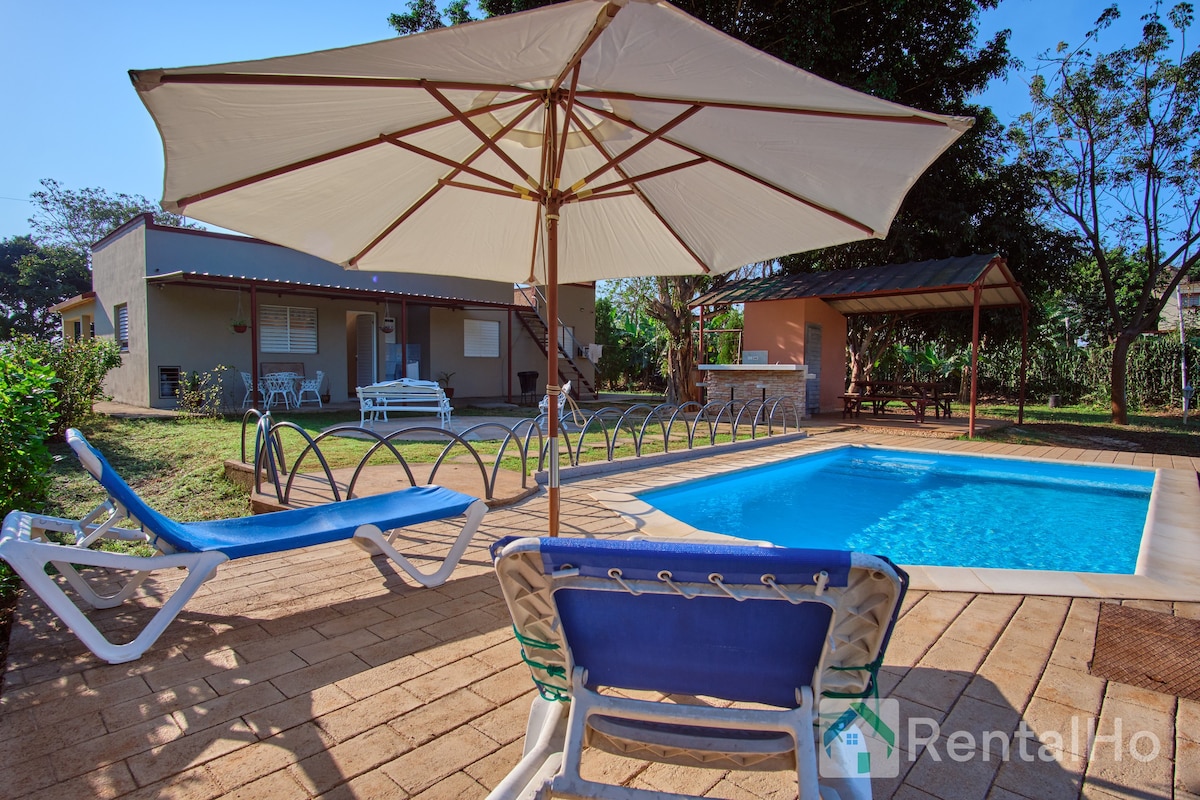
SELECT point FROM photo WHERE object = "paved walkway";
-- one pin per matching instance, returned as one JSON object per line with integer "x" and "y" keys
{"x": 322, "y": 673}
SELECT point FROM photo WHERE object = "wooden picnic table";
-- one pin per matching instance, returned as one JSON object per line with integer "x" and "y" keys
{"x": 916, "y": 395}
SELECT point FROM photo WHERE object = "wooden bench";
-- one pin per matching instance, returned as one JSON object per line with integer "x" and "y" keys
{"x": 406, "y": 394}
{"x": 852, "y": 404}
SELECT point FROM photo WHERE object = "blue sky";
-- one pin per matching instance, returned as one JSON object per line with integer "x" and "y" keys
{"x": 71, "y": 114}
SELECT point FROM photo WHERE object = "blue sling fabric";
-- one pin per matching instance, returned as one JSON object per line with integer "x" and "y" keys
{"x": 286, "y": 530}
{"x": 754, "y": 650}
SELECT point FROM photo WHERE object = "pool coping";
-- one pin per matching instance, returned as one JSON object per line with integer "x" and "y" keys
{"x": 1168, "y": 565}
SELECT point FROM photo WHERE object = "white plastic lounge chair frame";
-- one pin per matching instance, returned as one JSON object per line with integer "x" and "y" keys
{"x": 637, "y": 615}
{"x": 372, "y": 522}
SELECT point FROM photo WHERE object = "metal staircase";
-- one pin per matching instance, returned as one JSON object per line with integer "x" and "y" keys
{"x": 531, "y": 320}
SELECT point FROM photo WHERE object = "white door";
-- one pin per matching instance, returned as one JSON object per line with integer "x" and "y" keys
{"x": 364, "y": 326}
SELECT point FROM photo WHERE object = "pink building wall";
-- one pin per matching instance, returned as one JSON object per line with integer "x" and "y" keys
{"x": 777, "y": 326}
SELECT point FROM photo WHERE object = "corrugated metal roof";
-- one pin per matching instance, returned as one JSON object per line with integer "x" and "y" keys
{"x": 217, "y": 279}
{"x": 918, "y": 286}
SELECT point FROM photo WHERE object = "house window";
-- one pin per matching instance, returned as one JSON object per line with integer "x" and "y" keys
{"x": 77, "y": 330}
{"x": 287, "y": 329}
{"x": 168, "y": 382}
{"x": 1191, "y": 300}
{"x": 121, "y": 316}
{"x": 481, "y": 338}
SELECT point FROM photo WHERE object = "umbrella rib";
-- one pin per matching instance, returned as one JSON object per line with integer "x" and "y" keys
{"x": 859, "y": 116}
{"x": 567, "y": 115}
{"x": 613, "y": 161}
{"x": 425, "y": 198}
{"x": 483, "y": 137}
{"x": 587, "y": 198}
{"x": 645, "y": 176}
{"x": 486, "y": 189}
{"x": 432, "y": 156}
{"x": 342, "y": 151}
{"x": 145, "y": 81}
{"x": 834, "y": 213}
{"x": 645, "y": 200}
{"x": 603, "y": 20}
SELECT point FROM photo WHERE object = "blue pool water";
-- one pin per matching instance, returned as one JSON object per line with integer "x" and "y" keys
{"x": 917, "y": 508}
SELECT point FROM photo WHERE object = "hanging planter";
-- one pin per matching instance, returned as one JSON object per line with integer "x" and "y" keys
{"x": 239, "y": 324}
{"x": 389, "y": 324}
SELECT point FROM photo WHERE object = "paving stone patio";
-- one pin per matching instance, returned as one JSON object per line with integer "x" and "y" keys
{"x": 323, "y": 673}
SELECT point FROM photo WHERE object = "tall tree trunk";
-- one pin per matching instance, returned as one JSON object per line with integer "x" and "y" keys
{"x": 681, "y": 365}
{"x": 1120, "y": 363}
{"x": 671, "y": 309}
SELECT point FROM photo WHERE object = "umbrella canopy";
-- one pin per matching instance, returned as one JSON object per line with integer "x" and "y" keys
{"x": 581, "y": 141}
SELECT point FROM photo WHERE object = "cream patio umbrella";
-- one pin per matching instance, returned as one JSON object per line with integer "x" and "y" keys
{"x": 581, "y": 141}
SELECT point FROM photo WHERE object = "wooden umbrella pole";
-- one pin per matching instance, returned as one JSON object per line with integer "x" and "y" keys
{"x": 552, "y": 206}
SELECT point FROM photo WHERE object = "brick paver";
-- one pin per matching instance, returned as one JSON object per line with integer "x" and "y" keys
{"x": 322, "y": 673}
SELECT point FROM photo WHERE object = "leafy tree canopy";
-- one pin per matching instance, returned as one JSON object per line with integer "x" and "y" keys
{"x": 423, "y": 15}
{"x": 77, "y": 219}
{"x": 1113, "y": 141}
{"x": 33, "y": 278}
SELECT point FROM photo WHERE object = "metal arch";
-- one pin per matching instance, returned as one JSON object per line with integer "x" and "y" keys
{"x": 509, "y": 436}
{"x": 679, "y": 410}
{"x": 257, "y": 415}
{"x": 310, "y": 446}
{"x": 270, "y": 460}
{"x": 381, "y": 441}
{"x": 458, "y": 439}
{"x": 722, "y": 408}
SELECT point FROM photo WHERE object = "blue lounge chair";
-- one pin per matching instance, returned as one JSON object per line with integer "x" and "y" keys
{"x": 200, "y": 547}
{"x": 742, "y": 624}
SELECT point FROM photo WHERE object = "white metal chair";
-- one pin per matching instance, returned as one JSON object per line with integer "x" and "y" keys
{"x": 249, "y": 382}
{"x": 311, "y": 386}
{"x": 279, "y": 385}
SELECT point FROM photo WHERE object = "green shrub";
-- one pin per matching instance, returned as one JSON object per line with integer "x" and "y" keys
{"x": 203, "y": 394}
{"x": 1082, "y": 374}
{"x": 80, "y": 367}
{"x": 27, "y": 416}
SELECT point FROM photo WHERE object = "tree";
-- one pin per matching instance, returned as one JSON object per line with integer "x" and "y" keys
{"x": 32, "y": 279}
{"x": 423, "y": 15}
{"x": 1114, "y": 143}
{"x": 917, "y": 52}
{"x": 78, "y": 219}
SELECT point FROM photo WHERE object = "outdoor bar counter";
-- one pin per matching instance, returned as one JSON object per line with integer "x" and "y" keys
{"x": 742, "y": 382}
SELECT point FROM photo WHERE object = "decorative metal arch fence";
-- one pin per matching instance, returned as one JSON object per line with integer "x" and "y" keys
{"x": 691, "y": 424}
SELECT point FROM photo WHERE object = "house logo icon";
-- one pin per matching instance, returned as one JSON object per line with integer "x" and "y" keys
{"x": 857, "y": 738}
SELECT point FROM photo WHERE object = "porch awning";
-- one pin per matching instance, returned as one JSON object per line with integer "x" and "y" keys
{"x": 942, "y": 285}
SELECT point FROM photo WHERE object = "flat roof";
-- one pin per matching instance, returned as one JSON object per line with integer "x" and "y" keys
{"x": 944, "y": 284}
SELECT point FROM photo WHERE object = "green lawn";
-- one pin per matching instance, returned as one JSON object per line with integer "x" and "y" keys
{"x": 176, "y": 465}
{"x": 1089, "y": 428}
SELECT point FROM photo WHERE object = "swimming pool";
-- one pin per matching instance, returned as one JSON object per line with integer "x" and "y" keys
{"x": 929, "y": 508}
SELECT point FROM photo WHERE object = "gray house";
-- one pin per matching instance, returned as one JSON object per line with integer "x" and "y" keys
{"x": 176, "y": 300}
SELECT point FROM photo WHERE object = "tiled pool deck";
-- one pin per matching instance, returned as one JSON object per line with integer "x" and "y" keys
{"x": 321, "y": 673}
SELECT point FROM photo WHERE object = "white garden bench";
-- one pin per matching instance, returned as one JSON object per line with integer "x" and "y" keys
{"x": 406, "y": 394}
